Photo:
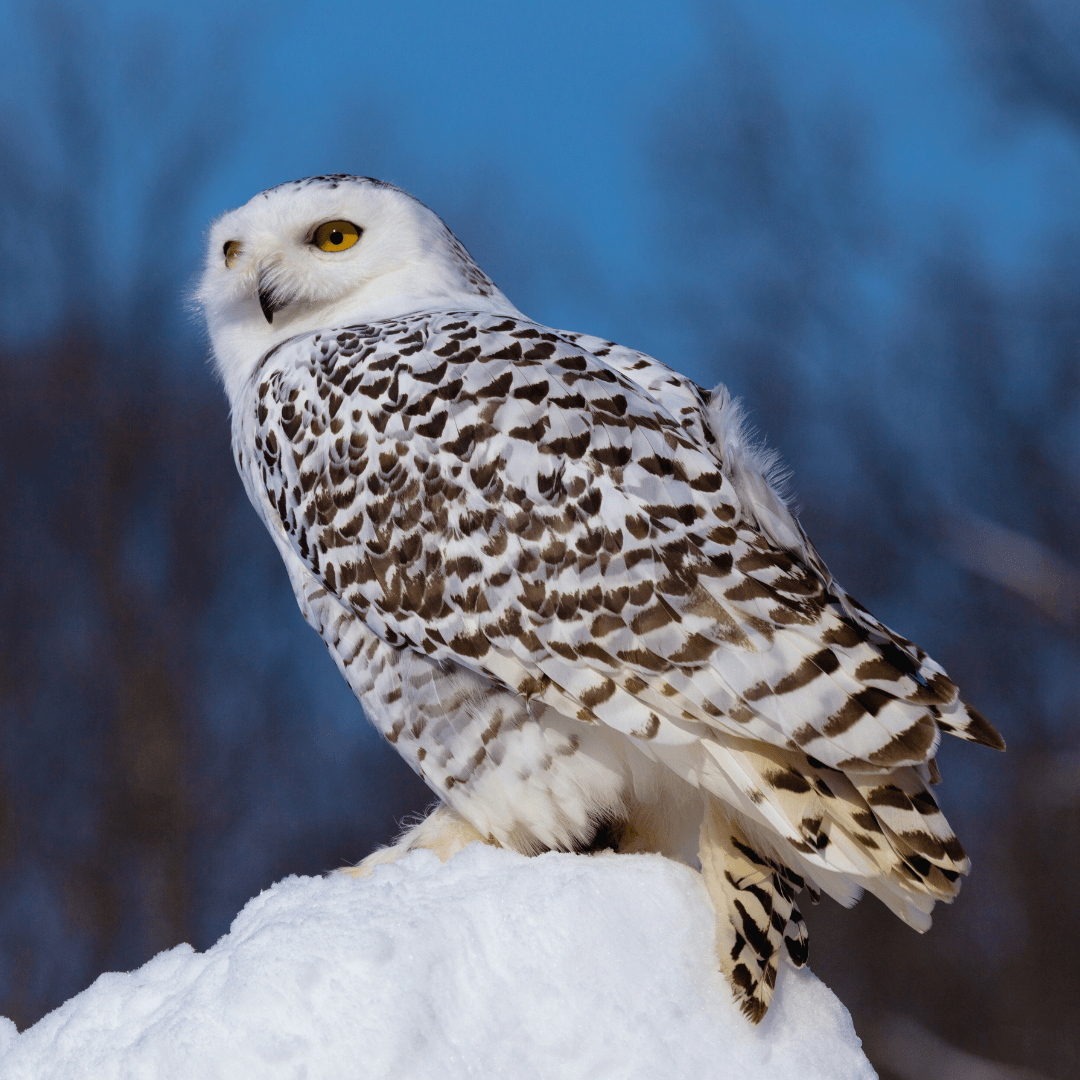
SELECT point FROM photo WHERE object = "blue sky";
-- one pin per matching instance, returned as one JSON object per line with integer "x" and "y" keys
{"x": 537, "y": 130}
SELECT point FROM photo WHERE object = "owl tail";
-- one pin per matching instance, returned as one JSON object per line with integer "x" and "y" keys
{"x": 757, "y": 918}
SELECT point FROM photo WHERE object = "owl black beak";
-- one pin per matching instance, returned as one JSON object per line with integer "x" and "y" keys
{"x": 267, "y": 302}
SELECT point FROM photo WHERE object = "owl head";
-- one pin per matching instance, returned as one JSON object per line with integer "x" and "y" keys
{"x": 329, "y": 251}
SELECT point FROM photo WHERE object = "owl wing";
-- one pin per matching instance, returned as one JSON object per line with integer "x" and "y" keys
{"x": 713, "y": 419}
{"x": 487, "y": 491}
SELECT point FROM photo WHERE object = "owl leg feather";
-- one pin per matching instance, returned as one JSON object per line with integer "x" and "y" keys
{"x": 756, "y": 915}
{"x": 443, "y": 831}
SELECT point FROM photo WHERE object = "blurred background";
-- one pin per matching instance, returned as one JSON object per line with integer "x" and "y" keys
{"x": 863, "y": 217}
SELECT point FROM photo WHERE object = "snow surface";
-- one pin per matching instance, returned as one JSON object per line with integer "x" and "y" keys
{"x": 494, "y": 965}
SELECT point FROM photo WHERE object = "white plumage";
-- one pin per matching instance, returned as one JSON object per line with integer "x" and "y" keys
{"x": 559, "y": 579}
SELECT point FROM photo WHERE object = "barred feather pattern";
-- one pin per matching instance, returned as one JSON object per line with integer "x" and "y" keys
{"x": 561, "y": 583}
{"x": 763, "y": 920}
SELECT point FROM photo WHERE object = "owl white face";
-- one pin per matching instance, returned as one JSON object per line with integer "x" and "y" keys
{"x": 325, "y": 252}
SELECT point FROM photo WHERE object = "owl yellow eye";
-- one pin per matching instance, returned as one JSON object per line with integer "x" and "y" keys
{"x": 231, "y": 249}
{"x": 336, "y": 235}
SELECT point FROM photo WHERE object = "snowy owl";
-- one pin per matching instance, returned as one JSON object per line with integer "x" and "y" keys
{"x": 562, "y": 584}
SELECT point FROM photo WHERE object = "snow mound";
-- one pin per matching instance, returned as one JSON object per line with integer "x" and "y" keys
{"x": 494, "y": 965}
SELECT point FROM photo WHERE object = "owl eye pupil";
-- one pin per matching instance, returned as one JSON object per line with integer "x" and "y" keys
{"x": 336, "y": 237}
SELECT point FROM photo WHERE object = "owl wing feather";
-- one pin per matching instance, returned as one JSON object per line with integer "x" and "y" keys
{"x": 713, "y": 419}
{"x": 488, "y": 492}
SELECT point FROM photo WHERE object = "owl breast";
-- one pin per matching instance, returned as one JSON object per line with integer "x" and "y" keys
{"x": 527, "y": 776}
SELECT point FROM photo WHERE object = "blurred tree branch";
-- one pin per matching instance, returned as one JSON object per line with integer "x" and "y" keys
{"x": 1018, "y": 562}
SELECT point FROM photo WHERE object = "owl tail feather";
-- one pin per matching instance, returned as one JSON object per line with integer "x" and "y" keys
{"x": 757, "y": 918}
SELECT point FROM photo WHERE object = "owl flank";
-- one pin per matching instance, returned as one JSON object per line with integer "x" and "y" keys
{"x": 562, "y": 583}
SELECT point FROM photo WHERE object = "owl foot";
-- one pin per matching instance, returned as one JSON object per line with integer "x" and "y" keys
{"x": 443, "y": 831}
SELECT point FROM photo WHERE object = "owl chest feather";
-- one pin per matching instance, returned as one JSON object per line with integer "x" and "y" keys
{"x": 528, "y": 777}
